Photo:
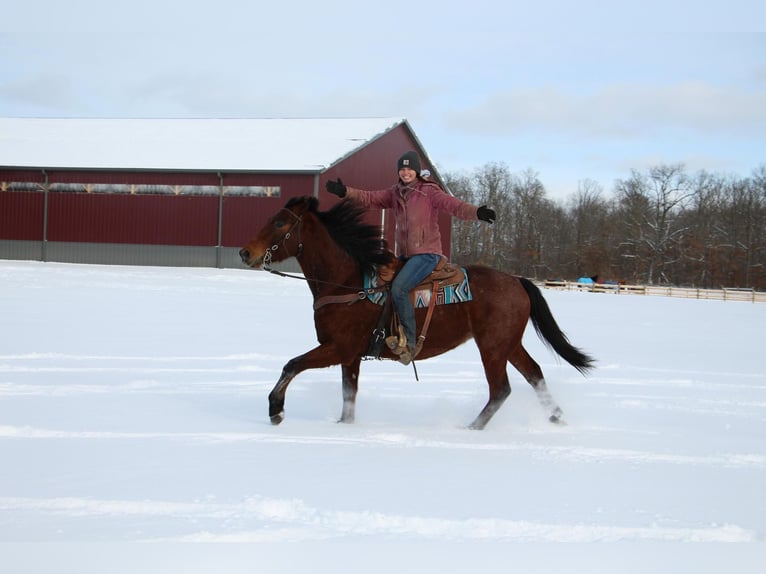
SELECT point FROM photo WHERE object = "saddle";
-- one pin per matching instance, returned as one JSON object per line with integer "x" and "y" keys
{"x": 444, "y": 273}
{"x": 447, "y": 283}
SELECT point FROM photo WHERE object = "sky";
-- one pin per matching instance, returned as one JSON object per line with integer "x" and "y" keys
{"x": 573, "y": 91}
{"x": 134, "y": 437}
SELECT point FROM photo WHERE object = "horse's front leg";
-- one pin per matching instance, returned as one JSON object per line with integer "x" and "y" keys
{"x": 317, "y": 358}
{"x": 350, "y": 388}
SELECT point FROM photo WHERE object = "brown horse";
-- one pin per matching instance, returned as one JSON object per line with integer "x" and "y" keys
{"x": 335, "y": 248}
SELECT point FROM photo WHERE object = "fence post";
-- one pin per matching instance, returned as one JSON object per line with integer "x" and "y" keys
{"x": 219, "y": 247}
{"x": 44, "y": 246}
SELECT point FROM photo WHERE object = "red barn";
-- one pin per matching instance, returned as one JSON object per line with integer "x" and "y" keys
{"x": 181, "y": 192}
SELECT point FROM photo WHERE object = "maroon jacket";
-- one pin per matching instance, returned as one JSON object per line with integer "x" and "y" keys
{"x": 416, "y": 210}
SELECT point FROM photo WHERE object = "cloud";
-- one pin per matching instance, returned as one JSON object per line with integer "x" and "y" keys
{"x": 42, "y": 92}
{"x": 195, "y": 94}
{"x": 618, "y": 111}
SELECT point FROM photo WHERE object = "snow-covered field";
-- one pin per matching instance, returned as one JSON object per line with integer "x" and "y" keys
{"x": 134, "y": 437}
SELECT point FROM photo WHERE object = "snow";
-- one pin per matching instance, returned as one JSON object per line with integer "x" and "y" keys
{"x": 134, "y": 437}
{"x": 255, "y": 144}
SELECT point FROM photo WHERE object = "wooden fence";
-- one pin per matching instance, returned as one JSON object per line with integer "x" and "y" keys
{"x": 725, "y": 294}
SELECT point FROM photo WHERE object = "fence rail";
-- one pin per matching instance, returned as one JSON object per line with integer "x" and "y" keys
{"x": 725, "y": 294}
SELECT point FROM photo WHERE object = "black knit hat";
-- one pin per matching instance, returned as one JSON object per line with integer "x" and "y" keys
{"x": 411, "y": 160}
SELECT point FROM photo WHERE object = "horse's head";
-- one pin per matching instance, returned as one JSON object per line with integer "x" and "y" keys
{"x": 280, "y": 238}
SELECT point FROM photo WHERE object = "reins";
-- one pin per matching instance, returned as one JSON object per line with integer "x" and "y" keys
{"x": 358, "y": 295}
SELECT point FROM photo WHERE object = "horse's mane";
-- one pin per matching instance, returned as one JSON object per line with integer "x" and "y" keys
{"x": 345, "y": 223}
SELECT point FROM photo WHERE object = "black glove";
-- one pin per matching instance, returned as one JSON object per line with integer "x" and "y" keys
{"x": 336, "y": 188}
{"x": 486, "y": 214}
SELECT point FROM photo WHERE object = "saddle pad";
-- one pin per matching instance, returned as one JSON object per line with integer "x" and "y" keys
{"x": 445, "y": 295}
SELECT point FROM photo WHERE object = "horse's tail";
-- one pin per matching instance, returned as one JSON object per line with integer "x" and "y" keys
{"x": 549, "y": 331}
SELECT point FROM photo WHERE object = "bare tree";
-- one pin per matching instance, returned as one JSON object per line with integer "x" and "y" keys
{"x": 465, "y": 246}
{"x": 472, "y": 243}
{"x": 660, "y": 225}
{"x": 705, "y": 239}
{"x": 590, "y": 224}
{"x": 493, "y": 184}
{"x": 745, "y": 222}
{"x": 651, "y": 204}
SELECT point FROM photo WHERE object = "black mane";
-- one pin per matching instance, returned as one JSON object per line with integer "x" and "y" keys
{"x": 345, "y": 223}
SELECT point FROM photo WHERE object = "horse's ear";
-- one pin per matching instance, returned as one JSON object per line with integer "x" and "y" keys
{"x": 311, "y": 202}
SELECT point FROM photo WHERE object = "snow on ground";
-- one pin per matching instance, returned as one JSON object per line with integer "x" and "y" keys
{"x": 134, "y": 436}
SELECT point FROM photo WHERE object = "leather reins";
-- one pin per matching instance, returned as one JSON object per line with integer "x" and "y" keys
{"x": 359, "y": 295}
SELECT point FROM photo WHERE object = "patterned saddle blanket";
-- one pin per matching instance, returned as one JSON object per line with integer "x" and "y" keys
{"x": 453, "y": 287}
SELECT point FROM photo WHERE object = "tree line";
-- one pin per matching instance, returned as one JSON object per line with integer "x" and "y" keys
{"x": 659, "y": 226}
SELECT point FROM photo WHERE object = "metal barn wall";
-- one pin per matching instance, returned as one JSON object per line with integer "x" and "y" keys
{"x": 118, "y": 228}
{"x": 244, "y": 216}
{"x": 178, "y": 230}
{"x": 21, "y": 215}
{"x": 145, "y": 219}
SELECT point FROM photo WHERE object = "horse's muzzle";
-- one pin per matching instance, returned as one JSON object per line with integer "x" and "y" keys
{"x": 247, "y": 258}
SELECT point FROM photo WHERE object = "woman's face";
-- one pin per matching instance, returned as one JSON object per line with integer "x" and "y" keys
{"x": 408, "y": 175}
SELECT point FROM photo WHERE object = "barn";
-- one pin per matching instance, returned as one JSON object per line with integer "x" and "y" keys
{"x": 178, "y": 192}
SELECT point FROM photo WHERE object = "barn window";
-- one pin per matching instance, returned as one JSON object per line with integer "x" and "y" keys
{"x": 20, "y": 186}
{"x": 69, "y": 187}
{"x": 110, "y": 188}
{"x": 252, "y": 190}
{"x": 145, "y": 189}
{"x": 199, "y": 190}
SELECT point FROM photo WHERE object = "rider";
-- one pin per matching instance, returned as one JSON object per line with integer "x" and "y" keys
{"x": 416, "y": 203}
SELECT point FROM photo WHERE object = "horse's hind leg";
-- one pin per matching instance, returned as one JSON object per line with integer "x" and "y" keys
{"x": 532, "y": 372}
{"x": 350, "y": 375}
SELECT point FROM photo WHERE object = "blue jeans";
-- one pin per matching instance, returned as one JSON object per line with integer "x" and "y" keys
{"x": 414, "y": 271}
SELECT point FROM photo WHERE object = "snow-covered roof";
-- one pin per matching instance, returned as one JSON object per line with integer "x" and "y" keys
{"x": 294, "y": 144}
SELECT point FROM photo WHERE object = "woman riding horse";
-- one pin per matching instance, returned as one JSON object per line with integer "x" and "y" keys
{"x": 416, "y": 204}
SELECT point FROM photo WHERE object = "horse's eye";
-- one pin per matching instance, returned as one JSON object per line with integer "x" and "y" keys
{"x": 279, "y": 223}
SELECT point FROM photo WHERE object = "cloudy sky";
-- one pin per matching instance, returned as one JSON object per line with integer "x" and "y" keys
{"x": 573, "y": 90}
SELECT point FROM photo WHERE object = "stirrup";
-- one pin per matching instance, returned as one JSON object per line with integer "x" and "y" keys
{"x": 402, "y": 353}
{"x": 399, "y": 347}
{"x": 397, "y": 344}
{"x": 406, "y": 356}
{"x": 392, "y": 343}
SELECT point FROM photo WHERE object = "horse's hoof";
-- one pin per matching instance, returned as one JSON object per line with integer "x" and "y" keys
{"x": 556, "y": 415}
{"x": 277, "y": 418}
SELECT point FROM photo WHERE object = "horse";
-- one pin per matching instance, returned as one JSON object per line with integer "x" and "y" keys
{"x": 335, "y": 248}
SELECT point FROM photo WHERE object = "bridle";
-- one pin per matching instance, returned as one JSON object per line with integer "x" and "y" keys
{"x": 283, "y": 241}
{"x": 358, "y": 295}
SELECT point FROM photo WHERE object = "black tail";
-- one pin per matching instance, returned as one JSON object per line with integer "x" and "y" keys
{"x": 549, "y": 331}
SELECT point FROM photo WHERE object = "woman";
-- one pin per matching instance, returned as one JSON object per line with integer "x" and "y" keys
{"x": 416, "y": 203}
